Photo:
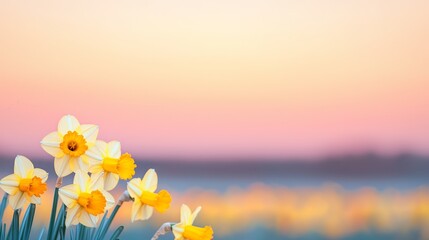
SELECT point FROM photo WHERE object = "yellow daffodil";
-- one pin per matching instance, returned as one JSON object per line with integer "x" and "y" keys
{"x": 70, "y": 144}
{"x": 145, "y": 198}
{"x": 186, "y": 231}
{"x": 85, "y": 200}
{"x": 108, "y": 165}
{"x": 26, "y": 184}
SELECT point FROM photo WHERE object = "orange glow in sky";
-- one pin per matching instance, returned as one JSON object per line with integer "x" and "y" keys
{"x": 205, "y": 79}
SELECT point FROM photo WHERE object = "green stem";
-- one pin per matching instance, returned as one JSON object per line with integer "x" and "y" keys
{"x": 53, "y": 213}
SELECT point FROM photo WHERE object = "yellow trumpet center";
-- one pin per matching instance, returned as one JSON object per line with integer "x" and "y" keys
{"x": 32, "y": 186}
{"x": 73, "y": 144}
{"x": 94, "y": 202}
{"x": 198, "y": 233}
{"x": 160, "y": 201}
{"x": 124, "y": 166}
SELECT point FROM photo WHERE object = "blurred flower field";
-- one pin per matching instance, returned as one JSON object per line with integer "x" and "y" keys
{"x": 329, "y": 212}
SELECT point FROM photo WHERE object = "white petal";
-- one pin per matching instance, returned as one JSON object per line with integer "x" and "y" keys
{"x": 110, "y": 181}
{"x": 95, "y": 166}
{"x": 51, "y": 144}
{"x": 23, "y": 167}
{"x": 103, "y": 147}
{"x": 96, "y": 181}
{"x": 82, "y": 163}
{"x": 133, "y": 188}
{"x": 69, "y": 194}
{"x": 178, "y": 230}
{"x": 140, "y": 211}
{"x": 81, "y": 179}
{"x": 67, "y": 123}
{"x": 193, "y": 216}
{"x": 10, "y": 184}
{"x": 35, "y": 200}
{"x": 17, "y": 201}
{"x": 72, "y": 214}
{"x": 114, "y": 149}
{"x": 150, "y": 181}
{"x": 95, "y": 153}
{"x": 38, "y": 172}
{"x": 90, "y": 133}
{"x": 110, "y": 201}
{"x": 146, "y": 212}
{"x": 185, "y": 213}
{"x": 87, "y": 219}
{"x": 62, "y": 166}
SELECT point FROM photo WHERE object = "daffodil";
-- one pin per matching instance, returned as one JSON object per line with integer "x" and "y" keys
{"x": 108, "y": 165}
{"x": 185, "y": 229}
{"x": 145, "y": 198}
{"x": 70, "y": 144}
{"x": 85, "y": 200}
{"x": 26, "y": 184}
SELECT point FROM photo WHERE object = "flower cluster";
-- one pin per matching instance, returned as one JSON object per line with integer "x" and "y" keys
{"x": 97, "y": 166}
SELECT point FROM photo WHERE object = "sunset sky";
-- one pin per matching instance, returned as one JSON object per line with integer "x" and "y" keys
{"x": 218, "y": 79}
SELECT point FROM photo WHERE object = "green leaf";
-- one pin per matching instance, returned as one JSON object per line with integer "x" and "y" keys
{"x": 100, "y": 227}
{"x": 53, "y": 213}
{"x": 108, "y": 222}
{"x": 3, "y": 206}
{"x": 13, "y": 233}
{"x": 27, "y": 222}
{"x": 117, "y": 232}
{"x": 59, "y": 221}
{"x": 41, "y": 234}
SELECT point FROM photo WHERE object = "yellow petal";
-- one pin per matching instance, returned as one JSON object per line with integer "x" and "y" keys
{"x": 90, "y": 133}
{"x": 110, "y": 181}
{"x": 150, "y": 181}
{"x": 114, "y": 149}
{"x": 23, "y": 167}
{"x": 185, "y": 214}
{"x": 17, "y": 201}
{"x": 82, "y": 180}
{"x": 51, "y": 144}
{"x": 72, "y": 214}
{"x": 67, "y": 123}
{"x": 10, "y": 184}
{"x": 38, "y": 172}
{"x": 133, "y": 188}
{"x": 87, "y": 219}
{"x": 69, "y": 194}
{"x": 62, "y": 166}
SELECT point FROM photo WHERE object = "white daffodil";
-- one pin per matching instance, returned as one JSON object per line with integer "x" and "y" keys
{"x": 145, "y": 198}
{"x": 26, "y": 184}
{"x": 108, "y": 165}
{"x": 85, "y": 200}
{"x": 185, "y": 229}
{"x": 70, "y": 144}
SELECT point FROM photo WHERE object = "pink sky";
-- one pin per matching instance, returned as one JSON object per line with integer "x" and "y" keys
{"x": 204, "y": 79}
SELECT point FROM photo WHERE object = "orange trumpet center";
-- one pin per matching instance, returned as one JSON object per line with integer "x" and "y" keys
{"x": 32, "y": 186}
